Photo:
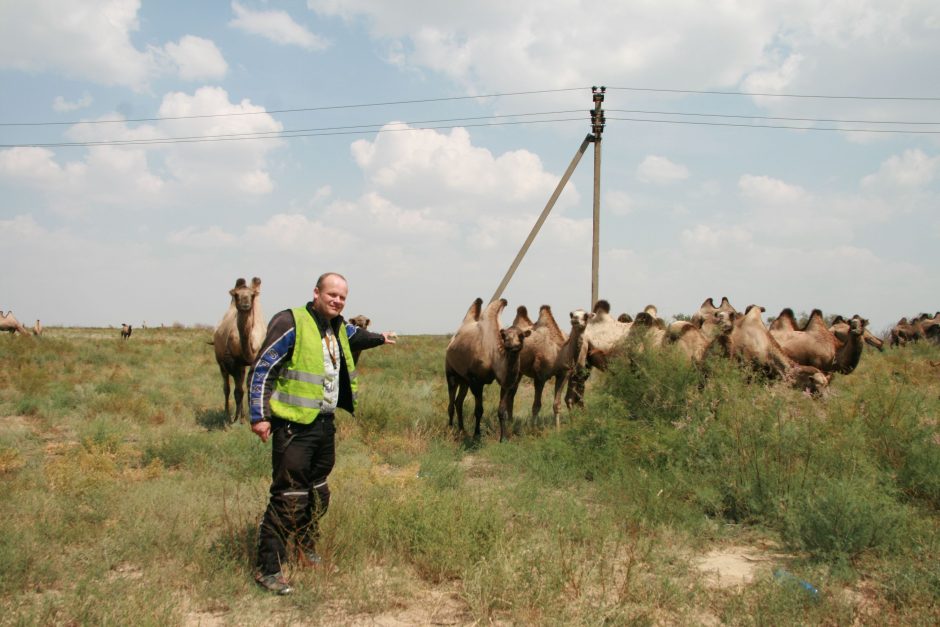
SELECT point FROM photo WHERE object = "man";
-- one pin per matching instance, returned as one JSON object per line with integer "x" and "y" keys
{"x": 305, "y": 370}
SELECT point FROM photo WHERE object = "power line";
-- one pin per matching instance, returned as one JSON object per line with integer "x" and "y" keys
{"x": 147, "y": 142}
{"x": 783, "y": 126}
{"x": 297, "y": 110}
{"x": 767, "y": 117}
{"x": 455, "y": 98}
{"x": 747, "y": 93}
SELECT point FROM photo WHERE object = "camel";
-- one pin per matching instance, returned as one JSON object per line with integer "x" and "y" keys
{"x": 126, "y": 330}
{"x": 907, "y": 331}
{"x": 689, "y": 338}
{"x": 237, "y": 339}
{"x": 840, "y": 328}
{"x": 706, "y": 316}
{"x": 479, "y": 353}
{"x": 603, "y": 335}
{"x": 548, "y": 353}
{"x": 815, "y": 345}
{"x": 37, "y": 328}
{"x": 745, "y": 338}
{"x": 10, "y": 324}
{"x": 360, "y": 322}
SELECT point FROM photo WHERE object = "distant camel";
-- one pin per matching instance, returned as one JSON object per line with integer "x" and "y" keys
{"x": 126, "y": 331}
{"x": 238, "y": 338}
{"x": 10, "y": 324}
{"x": 360, "y": 322}
{"x": 37, "y": 328}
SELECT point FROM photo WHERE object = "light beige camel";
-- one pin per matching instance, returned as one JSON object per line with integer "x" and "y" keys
{"x": 815, "y": 345}
{"x": 707, "y": 315}
{"x": 126, "y": 330}
{"x": 548, "y": 353}
{"x": 37, "y": 328}
{"x": 689, "y": 339}
{"x": 10, "y": 324}
{"x": 744, "y": 337}
{"x": 238, "y": 338}
{"x": 479, "y": 353}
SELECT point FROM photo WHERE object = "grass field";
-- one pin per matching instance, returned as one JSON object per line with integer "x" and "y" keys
{"x": 672, "y": 498}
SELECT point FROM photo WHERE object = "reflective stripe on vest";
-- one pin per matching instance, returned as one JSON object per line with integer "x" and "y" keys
{"x": 298, "y": 392}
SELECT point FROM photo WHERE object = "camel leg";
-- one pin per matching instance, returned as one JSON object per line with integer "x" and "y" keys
{"x": 477, "y": 389}
{"x": 539, "y": 385}
{"x": 560, "y": 381}
{"x": 239, "y": 392}
{"x": 456, "y": 393}
{"x": 506, "y": 398}
{"x": 226, "y": 390}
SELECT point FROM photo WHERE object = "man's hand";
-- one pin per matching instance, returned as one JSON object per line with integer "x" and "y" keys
{"x": 390, "y": 336}
{"x": 262, "y": 429}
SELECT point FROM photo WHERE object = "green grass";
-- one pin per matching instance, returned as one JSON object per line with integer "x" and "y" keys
{"x": 130, "y": 499}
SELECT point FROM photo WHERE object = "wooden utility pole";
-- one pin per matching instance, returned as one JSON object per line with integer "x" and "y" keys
{"x": 598, "y": 121}
{"x": 597, "y": 127}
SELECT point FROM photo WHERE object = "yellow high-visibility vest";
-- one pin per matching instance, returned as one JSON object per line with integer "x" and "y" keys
{"x": 298, "y": 391}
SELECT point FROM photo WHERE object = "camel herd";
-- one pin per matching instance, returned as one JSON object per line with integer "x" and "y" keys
{"x": 805, "y": 356}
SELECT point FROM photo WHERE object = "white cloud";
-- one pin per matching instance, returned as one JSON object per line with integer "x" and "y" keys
{"x": 768, "y": 191}
{"x": 619, "y": 203}
{"x": 196, "y": 59}
{"x": 88, "y": 40}
{"x": 276, "y": 26}
{"x": 212, "y": 237}
{"x": 911, "y": 169}
{"x": 62, "y": 105}
{"x": 660, "y": 171}
{"x": 418, "y": 166}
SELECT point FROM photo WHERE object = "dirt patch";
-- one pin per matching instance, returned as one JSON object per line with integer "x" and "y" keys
{"x": 736, "y": 566}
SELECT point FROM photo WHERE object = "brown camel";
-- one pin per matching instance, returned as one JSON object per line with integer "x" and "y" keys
{"x": 815, "y": 345}
{"x": 10, "y": 324}
{"x": 360, "y": 322}
{"x": 744, "y": 337}
{"x": 238, "y": 338}
{"x": 479, "y": 353}
{"x": 549, "y": 353}
{"x": 126, "y": 330}
{"x": 840, "y": 328}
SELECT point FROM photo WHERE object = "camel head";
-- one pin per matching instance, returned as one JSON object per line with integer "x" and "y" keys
{"x": 857, "y": 325}
{"x": 243, "y": 295}
{"x": 579, "y": 318}
{"x": 809, "y": 379}
{"x": 511, "y": 338}
{"x": 724, "y": 321}
{"x": 360, "y": 321}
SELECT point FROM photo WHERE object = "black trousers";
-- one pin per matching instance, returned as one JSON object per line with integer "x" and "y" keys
{"x": 302, "y": 457}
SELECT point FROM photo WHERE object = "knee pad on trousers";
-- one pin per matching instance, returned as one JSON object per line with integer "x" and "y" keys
{"x": 320, "y": 493}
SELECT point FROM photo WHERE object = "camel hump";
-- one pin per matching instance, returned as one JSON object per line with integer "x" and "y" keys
{"x": 815, "y": 319}
{"x": 255, "y": 282}
{"x": 240, "y": 282}
{"x": 473, "y": 314}
{"x": 838, "y": 320}
{"x": 708, "y": 302}
{"x": 725, "y": 302}
{"x": 651, "y": 310}
{"x": 602, "y": 306}
{"x": 625, "y": 318}
{"x": 644, "y": 318}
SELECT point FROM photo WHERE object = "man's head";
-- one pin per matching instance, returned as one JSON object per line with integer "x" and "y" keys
{"x": 329, "y": 295}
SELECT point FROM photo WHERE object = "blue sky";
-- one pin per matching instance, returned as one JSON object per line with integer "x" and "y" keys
{"x": 423, "y": 220}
